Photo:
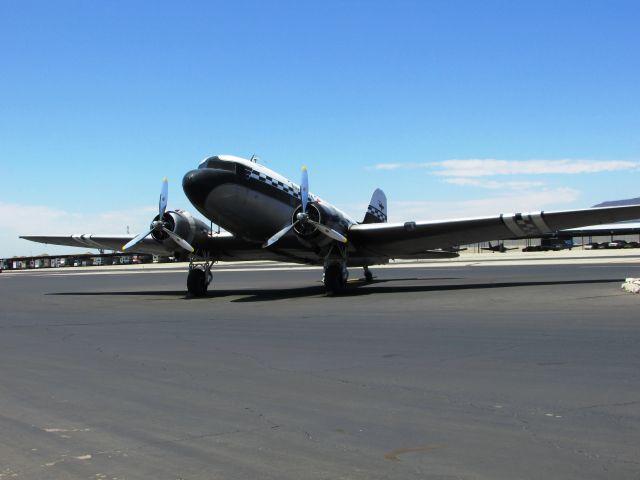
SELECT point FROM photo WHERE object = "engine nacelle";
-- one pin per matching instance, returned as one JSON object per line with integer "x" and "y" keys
{"x": 183, "y": 224}
{"x": 327, "y": 215}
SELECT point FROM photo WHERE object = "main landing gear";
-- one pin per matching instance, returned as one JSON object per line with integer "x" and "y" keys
{"x": 335, "y": 277}
{"x": 199, "y": 277}
{"x": 335, "y": 270}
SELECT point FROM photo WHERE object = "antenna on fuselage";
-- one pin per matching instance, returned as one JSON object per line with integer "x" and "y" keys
{"x": 254, "y": 158}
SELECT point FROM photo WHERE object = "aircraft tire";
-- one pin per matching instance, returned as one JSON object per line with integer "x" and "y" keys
{"x": 196, "y": 282}
{"x": 334, "y": 280}
{"x": 368, "y": 276}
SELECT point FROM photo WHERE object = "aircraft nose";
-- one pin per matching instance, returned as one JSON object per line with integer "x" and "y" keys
{"x": 198, "y": 184}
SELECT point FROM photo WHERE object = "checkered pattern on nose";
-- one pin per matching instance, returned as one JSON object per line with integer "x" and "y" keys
{"x": 261, "y": 177}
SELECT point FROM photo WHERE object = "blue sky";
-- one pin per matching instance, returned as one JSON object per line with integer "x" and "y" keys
{"x": 454, "y": 108}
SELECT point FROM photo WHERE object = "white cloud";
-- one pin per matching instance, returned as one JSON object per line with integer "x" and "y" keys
{"x": 493, "y": 184}
{"x": 475, "y": 172}
{"x": 525, "y": 201}
{"x": 42, "y": 220}
{"x": 491, "y": 167}
{"x": 389, "y": 166}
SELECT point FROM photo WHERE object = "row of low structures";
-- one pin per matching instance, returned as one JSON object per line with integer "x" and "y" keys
{"x": 79, "y": 260}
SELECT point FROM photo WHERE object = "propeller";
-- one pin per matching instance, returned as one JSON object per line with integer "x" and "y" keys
{"x": 302, "y": 217}
{"x": 159, "y": 225}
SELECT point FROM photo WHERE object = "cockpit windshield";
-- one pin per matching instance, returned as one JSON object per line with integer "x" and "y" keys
{"x": 215, "y": 162}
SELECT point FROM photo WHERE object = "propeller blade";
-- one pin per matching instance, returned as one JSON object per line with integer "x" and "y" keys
{"x": 329, "y": 232}
{"x": 179, "y": 240}
{"x": 135, "y": 241}
{"x": 304, "y": 189}
{"x": 164, "y": 195}
{"x": 278, "y": 236}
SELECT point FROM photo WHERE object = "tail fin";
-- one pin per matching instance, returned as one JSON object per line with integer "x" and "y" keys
{"x": 377, "y": 210}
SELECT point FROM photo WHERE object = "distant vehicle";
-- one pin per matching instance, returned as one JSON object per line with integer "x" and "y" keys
{"x": 632, "y": 245}
{"x": 102, "y": 261}
{"x": 551, "y": 244}
{"x": 616, "y": 244}
{"x": 545, "y": 248}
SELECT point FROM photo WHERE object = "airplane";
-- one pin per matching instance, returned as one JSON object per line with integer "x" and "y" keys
{"x": 499, "y": 248}
{"x": 268, "y": 217}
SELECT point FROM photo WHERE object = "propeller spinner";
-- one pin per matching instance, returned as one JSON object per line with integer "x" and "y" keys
{"x": 302, "y": 218}
{"x": 159, "y": 225}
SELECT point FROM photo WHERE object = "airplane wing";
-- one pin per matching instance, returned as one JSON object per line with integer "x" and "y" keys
{"x": 375, "y": 240}
{"x": 623, "y": 228}
{"x": 102, "y": 242}
{"x": 410, "y": 239}
{"x": 223, "y": 246}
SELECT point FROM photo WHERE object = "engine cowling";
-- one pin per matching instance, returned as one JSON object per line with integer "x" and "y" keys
{"x": 311, "y": 218}
{"x": 183, "y": 224}
{"x": 326, "y": 215}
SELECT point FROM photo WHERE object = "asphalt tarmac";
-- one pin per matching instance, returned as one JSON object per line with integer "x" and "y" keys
{"x": 458, "y": 372}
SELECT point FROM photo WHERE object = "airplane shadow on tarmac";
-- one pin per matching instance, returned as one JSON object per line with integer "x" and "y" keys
{"x": 361, "y": 287}
{"x": 354, "y": 289}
